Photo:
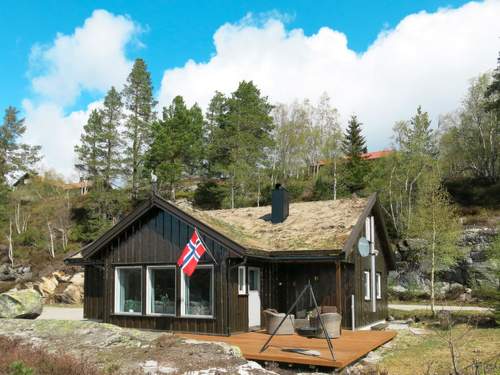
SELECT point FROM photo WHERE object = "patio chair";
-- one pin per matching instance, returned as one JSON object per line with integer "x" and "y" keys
{"x": 332, "y": 323}
{"x": 273, "y": 319}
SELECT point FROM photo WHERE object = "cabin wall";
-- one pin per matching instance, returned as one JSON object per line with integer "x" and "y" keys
{"x": 93, "y": 303}
{"x": 282, "y": 283}
{"x": 158, "y": 239}
{"x": 362, "y": 307}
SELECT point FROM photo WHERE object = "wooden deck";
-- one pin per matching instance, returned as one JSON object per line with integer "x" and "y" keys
{"x": 348, "y": 348}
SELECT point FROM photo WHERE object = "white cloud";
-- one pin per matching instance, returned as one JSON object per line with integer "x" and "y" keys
{"x": 92, "y": 58}
{"x": 427, "y": 59}
{"x": 57, "y": 133}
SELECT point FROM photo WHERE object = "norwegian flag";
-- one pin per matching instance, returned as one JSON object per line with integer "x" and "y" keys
{"x": 191, "y": 254}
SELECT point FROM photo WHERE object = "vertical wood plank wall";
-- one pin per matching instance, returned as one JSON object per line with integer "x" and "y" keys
{"x": 158, "y": 239}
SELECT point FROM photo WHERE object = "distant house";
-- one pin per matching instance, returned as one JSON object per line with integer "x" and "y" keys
{"x": 264, "y": 258}
{"x": 374, "y": 155}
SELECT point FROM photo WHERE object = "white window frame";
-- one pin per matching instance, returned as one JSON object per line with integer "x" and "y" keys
{"x": 117, "y": 292}
{"x": 242, "y": 280}
{"x": 183, "y": 293}
{"x": 367, "y": 286}
{"x": 378, "y": 278}
{"x": 148, "y": 289}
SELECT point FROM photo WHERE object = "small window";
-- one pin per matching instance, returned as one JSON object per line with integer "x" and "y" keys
{"x": 253, "y": 279}
{"x": 128, "y": 290}
{"x": 242, "y": 280}
{"x": 161, "y": 290}
{"x": 366, "y": 283}
{"x": 378, "y": 281}
{"x": 197, "y": 293}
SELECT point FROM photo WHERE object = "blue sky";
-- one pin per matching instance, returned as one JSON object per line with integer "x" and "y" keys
{"x": 175, "y": 31}
{"x": 377, "y": 59}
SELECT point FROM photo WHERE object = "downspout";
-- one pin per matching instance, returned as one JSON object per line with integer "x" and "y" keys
{"x": 353, "y": 313}
{"x": 372, "y": 258}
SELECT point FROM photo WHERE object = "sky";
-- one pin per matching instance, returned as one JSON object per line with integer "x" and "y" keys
{"x": 377, "y": 59}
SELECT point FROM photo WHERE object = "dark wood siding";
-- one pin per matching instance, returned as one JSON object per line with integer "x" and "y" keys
{"x": 158, "y": 239}
{"x": 93, "y": 307}
{"x": 363, "y": 309}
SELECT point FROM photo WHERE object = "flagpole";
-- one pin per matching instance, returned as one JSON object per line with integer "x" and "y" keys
{"x": 206, "y": 247}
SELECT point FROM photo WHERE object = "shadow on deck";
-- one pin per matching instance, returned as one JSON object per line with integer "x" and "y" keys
{"x": 351, "y": 346}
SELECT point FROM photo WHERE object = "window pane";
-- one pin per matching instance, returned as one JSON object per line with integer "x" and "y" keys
{"x": 162, "y": 293}
{"x": 129, "y": 290}
{"x": 253, "y": 280}
{"x": 199, "y": 292}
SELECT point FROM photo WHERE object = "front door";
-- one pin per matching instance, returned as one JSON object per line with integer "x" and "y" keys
{"x": 253, "y": 297}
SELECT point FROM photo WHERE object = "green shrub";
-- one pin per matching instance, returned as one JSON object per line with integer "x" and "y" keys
{"x": 209, "y": 195}
{"x": 19, "y": 368}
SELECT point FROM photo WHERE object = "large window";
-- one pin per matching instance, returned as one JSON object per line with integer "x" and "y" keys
{"x": 197, "y": 293}
{"x": 366, "y": 285}
{"x": 161, "y": 290}
{"x": 128, "y": 290}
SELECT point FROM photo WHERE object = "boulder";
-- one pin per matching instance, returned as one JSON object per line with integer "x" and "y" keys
{"x": 77, "y": 279}
{"x": 26, "y": 304}
{"x": 72, "y": 294}
{"x": 47, "y": 286}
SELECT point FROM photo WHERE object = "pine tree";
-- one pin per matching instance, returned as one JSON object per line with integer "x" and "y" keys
{"x": 493, "y": 92}
{"x": 176, "y": 148}
{"x": 89, "y": 151}
{"x": 110, "y": 140}
{"x": 242, "y": 135}
{"x": 139, "y": 102}
{"x": 15, "y": 156}
{"x": 353, "y": 146}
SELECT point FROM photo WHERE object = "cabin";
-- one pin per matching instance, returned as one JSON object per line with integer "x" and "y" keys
{"x": 263, "y": 257}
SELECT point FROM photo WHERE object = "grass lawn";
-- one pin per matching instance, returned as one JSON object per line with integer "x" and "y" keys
{"x": 430, "y": 353}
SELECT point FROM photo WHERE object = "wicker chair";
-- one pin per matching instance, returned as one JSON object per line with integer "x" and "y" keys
{"x": 332, "y": 323}
{"x": 273, "y": 319}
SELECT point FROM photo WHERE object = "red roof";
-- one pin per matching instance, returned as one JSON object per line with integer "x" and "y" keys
{"x": 376, "y": 154}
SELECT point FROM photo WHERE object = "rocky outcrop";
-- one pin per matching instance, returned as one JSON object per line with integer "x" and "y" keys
{"x": 16, "y": 274}
{"x": 474, "y": 270}
{"x": 25, "y": 304}
{"x": 61, "y": 288}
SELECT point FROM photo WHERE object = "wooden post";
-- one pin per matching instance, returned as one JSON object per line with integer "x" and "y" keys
{"x": 338, "y": 286}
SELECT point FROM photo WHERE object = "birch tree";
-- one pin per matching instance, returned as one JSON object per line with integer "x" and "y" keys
{"x": 436, "y": 223}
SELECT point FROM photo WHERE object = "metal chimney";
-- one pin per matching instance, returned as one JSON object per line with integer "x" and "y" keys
{"x": 280, "y": 204}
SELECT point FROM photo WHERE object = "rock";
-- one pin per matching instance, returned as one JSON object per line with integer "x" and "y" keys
{"x": 25, "y": 304}
{"x": 61, "y": 277}
{"x": 77, "y": 279}
{"x": 72, "y": 294}
{"x": 47, "y": 286}
{"x": 398, "y": 289}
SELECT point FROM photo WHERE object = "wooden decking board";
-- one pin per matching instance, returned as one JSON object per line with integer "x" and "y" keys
{"x": 348, "y": 348}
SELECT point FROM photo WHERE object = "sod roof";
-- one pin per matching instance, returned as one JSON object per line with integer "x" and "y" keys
{"x": 318, "y": 225}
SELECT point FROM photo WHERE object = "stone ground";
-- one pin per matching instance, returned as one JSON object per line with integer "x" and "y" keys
{"x": 125, "y": 351}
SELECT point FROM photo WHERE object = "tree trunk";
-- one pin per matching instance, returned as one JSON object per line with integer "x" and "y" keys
{"x": 334, "y": 179}
{"x": 433, "y": 263}
{"x": 51, "y": 236}
{"x": 11, "y": 246}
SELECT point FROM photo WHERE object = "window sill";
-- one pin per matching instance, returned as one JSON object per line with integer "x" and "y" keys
{"x": 127, "y": 314}
{"x": 207, "y": 317}
{"x": 158, "y": 314}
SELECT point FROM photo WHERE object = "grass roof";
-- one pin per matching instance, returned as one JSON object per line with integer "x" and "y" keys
{"x": 318, "y": 225}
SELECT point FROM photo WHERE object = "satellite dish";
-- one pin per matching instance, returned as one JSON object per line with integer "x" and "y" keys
{"x": 363, "y": 247}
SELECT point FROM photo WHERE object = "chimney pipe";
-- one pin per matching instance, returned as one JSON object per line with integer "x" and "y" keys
{"x": 280, "y": 204}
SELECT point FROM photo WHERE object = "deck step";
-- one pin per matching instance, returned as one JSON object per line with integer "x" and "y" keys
{"x": 379, "y": 327}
